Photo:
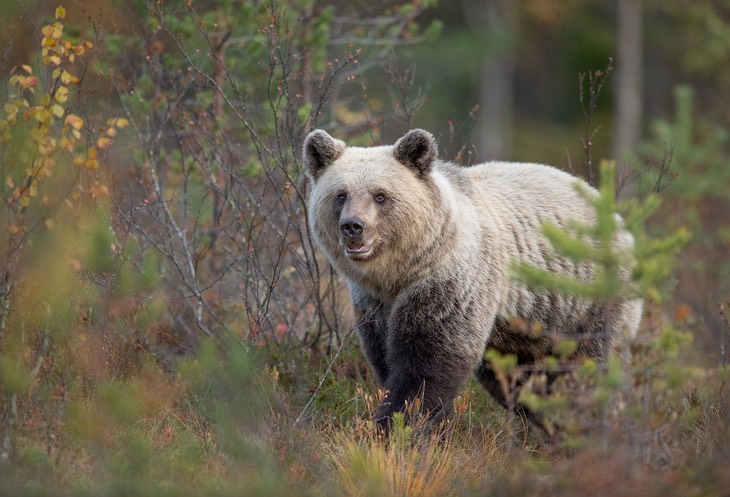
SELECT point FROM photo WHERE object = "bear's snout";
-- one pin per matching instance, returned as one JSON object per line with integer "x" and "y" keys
{"x": 352, "y": 227}
{"x": 357, "y": 246}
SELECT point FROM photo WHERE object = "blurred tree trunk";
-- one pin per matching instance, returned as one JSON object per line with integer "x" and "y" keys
{"x": 497, "y": 19}
{"x": 628, "y": 79}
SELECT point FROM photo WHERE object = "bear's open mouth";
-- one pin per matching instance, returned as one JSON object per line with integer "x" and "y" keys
{"x": 357, "y": 249}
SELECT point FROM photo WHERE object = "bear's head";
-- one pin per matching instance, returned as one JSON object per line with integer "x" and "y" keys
{"x": 371, "y": 201}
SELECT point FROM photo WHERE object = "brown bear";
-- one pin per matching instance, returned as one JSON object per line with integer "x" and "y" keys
{"x": 426, "y": 247}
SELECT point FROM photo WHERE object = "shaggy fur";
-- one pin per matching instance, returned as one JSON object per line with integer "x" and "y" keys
{"x": 426, "y": 248}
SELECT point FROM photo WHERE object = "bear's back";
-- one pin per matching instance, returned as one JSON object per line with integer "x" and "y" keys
{"x": 545, "y": 188}
{"x": 524, "y": 196}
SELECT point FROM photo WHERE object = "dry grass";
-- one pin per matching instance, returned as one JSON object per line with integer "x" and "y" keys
{"x": 456, "y": 460}
{"x": 376, "y": 469}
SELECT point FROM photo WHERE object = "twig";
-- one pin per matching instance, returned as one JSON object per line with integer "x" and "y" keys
{"x": 596, "y": 80}
{"x": 723, "y": 336}
{"x": 12, "y": 402}
{"x": 5, "y": 296}
{"x": 324, "y": 376}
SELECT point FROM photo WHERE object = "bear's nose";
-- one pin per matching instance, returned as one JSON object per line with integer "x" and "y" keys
{"x": 352, "y": 226}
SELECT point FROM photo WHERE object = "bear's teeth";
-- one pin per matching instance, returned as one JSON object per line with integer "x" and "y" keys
{"x": 357, "y": 248}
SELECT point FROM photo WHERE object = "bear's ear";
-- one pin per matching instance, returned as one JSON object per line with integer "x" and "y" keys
{"x": 417, "y": 149}
{"x": 321, "y": 150}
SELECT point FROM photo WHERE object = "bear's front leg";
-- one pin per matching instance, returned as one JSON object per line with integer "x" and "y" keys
{"x": 433, "y": 348}
{"x": 370, "y": 321}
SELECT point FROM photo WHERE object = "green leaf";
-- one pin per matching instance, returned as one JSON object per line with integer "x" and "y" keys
{"x": 501, "y": 363}
{"x": 564, "y": 348}
{"x": 614, "y": 375}
{"x": 588, "y": 369}
{"x": 57, "y": 110}
{"x": 41, "y": 115}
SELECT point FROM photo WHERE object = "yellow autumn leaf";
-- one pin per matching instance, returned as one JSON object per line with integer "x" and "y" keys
{"x": 99, "y": 191}
{"x": 61, "y": 94}
{"x": 111, "y": 132}
{"x": 103, "y": 142}
{"x": 50, "y": 224}
{"x": 24, "y": 201}
{"x": 41, "y": 115}
{"x": 27, "y": 68}
{"x": 92, "y": 153}
{"x": 14, "y": 229}
{"x": 75, "y": 121}
{"x": 122, "y": 123}
{"x": 46, "y": 145}
{"x": 30, "y": 82}
{"x": 44, "y": 149}
{"x": 60, "y": 12}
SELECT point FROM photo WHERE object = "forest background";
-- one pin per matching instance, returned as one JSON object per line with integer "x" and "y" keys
{"x": 167, "y": 325}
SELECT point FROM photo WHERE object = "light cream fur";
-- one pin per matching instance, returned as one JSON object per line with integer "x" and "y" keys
{"x": 463, "y": 226}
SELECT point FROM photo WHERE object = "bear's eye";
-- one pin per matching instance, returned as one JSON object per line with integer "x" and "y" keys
{"x": 380, "y": 198}
{"x": 341, "y": 198}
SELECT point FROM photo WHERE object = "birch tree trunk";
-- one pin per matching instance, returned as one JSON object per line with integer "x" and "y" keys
{"x": 628, "y": 79}
{"x": 499, "y": 18}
